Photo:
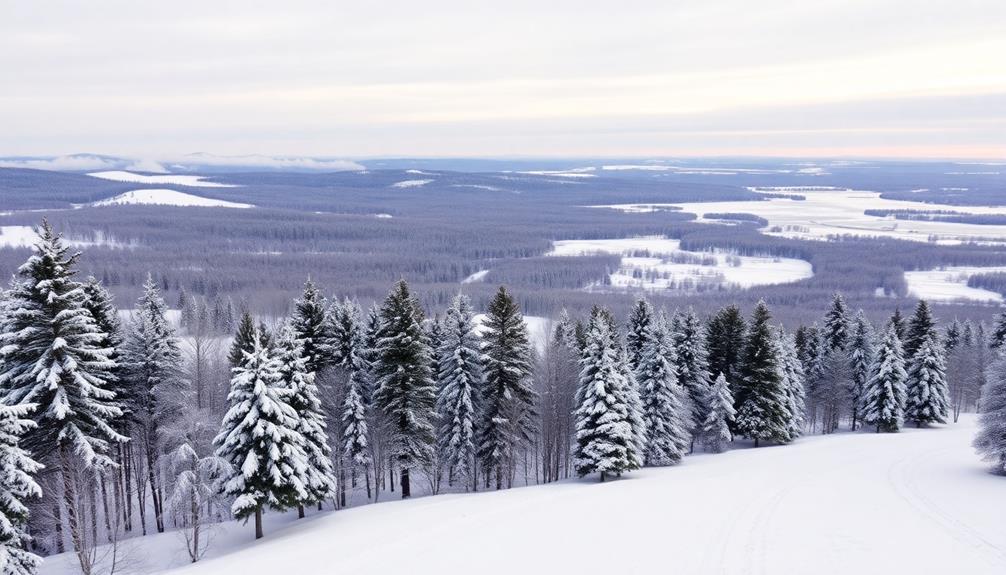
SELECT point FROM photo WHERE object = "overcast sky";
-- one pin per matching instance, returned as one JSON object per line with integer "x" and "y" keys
{"x": 913, "y": 78}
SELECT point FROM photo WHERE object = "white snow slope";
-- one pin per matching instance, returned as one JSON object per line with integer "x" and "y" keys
{"x": 165, "y": 197}
{"x": 914, "y": 502}
{"x": 181, "y": 180}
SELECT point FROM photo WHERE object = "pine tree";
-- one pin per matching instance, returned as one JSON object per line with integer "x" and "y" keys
{"x": 991, "y": 439}
{"x": 898, "y": 322}
{"x": 692, "y": 369}
{"x": 715, "y": 430}
{"x": 17, "y": 485}
{"x": 405, "y": 387}
{"x": 243, "y": 339}
{"x": 640, "y": 318}
{"x": 861, "y": 362}
{"x": 459, "y": 391}
{"x": 793, "y": 381}
{"x": 259, "y": 438}
{"x": 999, "y": 332}
{"x": 605, "y": 440}
{"x": 302, "y": 392}
{"x": 884, "y": 395}
{"x": 310, "y": 325}
{"x": 952, "y": 337}
{"x": 921, "y": 327}
{"x": 664, "y": 407}
{"x": 725, "y": 342}
{"x": 508, "y": 415}
{"x": 355, "y": 430}
{"x": 836, "y": 324}
{"x": 762, "y": 412}
{"x": 927, "y": 396}
{"x": 61, "y": 375}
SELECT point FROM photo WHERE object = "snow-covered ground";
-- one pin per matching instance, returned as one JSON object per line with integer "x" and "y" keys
{"x": 476, "y": 277}
{"x": 25, "y": 237}
{"x": 918, "y": 501}
{"x": 661, "y": 271}
{"x": 165, "y": 197}
{"x": 950, "y": 284}
{"x": 829, "y": 212}
{"x": 180, "y": 180}
{"x": 410, "y": 183}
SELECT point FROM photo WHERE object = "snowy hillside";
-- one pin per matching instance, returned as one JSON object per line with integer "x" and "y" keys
{"x": 914, "y": 502}
{"x": 166, "y": 197}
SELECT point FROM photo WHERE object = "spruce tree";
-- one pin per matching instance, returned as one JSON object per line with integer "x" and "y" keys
{"x": 665, "y": 411}
{"x": 952, "y": 337}
{"x": 861, "y": 362}
{"x": 883, "y": 398}
{"x": 355, "y": 440}
{"x": 793, "y": 381}
{"x": 605, "y": 439}
{"x": 762, "y": 412}
{"x": 991, "y": 439}
{"x": 715, "y": 430}
{"x": 51, "y": 357}
{"x": 17, "y": 486}
{"x": 898, "y": 322}
{"x": 459, "y": 391}
{"x": 999, "y": 332}
{"x": 405, "y": 387}
{"x": 927, "y": 397}
{"x": 310, "y": 325}
{"x": 243, "y": 339}
{"x": 921, "y": 327}
{"x": 725, "y": 342}
{"x": 508, "y": 414}
{"x": 640, "y": 318}
{"x": 259, "y": 437}
{"x": 692, "y": 369}
{"x": 836, "y": 324}
{"x": 302, "y": 396}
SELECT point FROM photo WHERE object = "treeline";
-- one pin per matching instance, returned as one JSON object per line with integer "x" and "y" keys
{"x": 112, "y": 429}
{"x": 941, "y": 216}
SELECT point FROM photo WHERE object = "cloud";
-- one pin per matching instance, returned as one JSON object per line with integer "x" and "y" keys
{"x": 61, "y": 163}
{"x": 271, "y": 162}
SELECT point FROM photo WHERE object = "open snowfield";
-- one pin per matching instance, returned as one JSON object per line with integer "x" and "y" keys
{"x": 915, "y": 502}
{"x": 828, "y": 212}
{"x": 25, "y": 237}
{"x": 166, "y": 197}
{"x": 950, "y": 284}
{"x": 660, "y": 271}
{"x": 180, "y": 180}
{"x": 410, "y": 183}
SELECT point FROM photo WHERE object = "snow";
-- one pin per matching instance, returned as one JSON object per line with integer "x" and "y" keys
{"x": 25, "y": 237}
{"x": 191, "y": 181}
{"x": 828, "y": 212}
{"x": 174, "y": 316}
{"x": 538, "y": 329}
{"x": 918, "y": 501}
{"x": 410, "y": 183}
{"x": 572, "y": 173}
{"x": 726, "y": 269}
{"x": 476, "y": 277}
{"x": 165, "y": 197}
{"x": 950, "y": 284}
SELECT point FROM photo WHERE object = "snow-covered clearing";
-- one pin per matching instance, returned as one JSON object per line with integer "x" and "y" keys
{"x": 918, "y": 501}
{"x": 951, "y": 283}
{"x": 829, "y": 212}
{"x": 25, "y": 237}
{"x": 410, "y": 183}
{"x": 476, "y": 277}
{"x": 658, "y": 263}
{"x": 165, "y": 197}
{"x": 180, "y": 180}
{"x": 571, "y": 173}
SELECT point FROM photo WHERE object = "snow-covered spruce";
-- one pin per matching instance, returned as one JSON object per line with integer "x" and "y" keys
{"x": 508, "y": 419}
{"x": 693, "y": 371}
{"x": 926, "y": 395}
{"x": 883, "y": 398}
{"x": 640, "y": 318}
{"x": 836, "y": 324}
{"x": 725, "y": 342}
{"x": 303, "y": 398}
{"x": 861, "y": 353}
{"x": 991, "y": 439}
{"x": 665, "y": 411}
{"x": 605, "y": 439}
{"x": 762, "y": 403}
{"x": 459, "y": 390}
{"x": 405, "y": 387}
{"x": 791, "y": 373}
{"x": 17, "y": 485}
{"x": 310, "y": 325}
{"x": 715, "y": 431}
{"x": 259, "y": 437}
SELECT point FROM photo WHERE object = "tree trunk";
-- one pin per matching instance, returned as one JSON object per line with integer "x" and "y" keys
{"x": 57, "y": 518}
{"x": 366, "y": 476}
{"x": 300, "y": 511}
{"x": 77, "y": 535}
{"x": 258, "y": 522}
{"x": 602, "y": 476}
{"x": 406, "y": 487}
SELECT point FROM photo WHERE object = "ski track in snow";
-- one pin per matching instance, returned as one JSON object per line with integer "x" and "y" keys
{"x": 918, "y": 502}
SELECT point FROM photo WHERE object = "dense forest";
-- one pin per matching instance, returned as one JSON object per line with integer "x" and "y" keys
{"x": 114, "y": 427}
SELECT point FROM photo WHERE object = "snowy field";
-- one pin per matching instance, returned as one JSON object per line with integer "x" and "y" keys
{"x": 410, "y": 183}
{"x": 950, "y": 284}
{"x": 25, "y": 237}
{"x": 830, "y": 212}
{"x": 665, "y": 267}
{"x": 913, "y": 502}
{"x": 180, "y": 180}
{"x": 165, "y": 197}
